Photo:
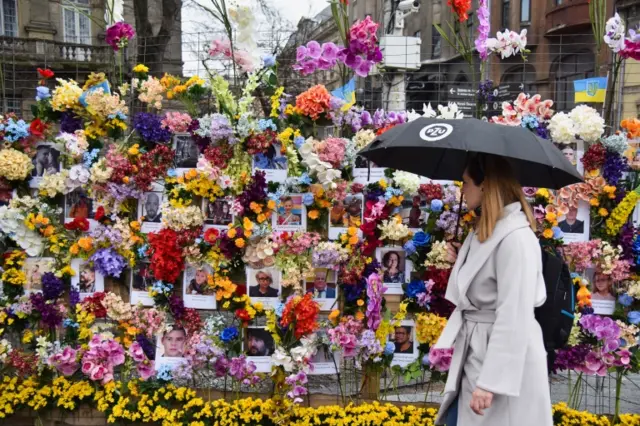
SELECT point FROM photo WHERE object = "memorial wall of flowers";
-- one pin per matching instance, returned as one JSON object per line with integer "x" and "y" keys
{"x": 146, "y": 255}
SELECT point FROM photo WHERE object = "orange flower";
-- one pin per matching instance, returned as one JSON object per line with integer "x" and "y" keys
{"x": 314, "y": 101}
{"x": 460, "y": 7}
{"x": 632, "y": 126}
{"x": 313, "y": 214}
{"x": 231, "y": 233}
{"x": 240, "y": 242}
{"x": 85, "y": 243}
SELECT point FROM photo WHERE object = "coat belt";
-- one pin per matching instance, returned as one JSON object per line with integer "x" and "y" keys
{"x": 482, "y": 317}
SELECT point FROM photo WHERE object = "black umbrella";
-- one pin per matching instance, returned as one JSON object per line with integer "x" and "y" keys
{"x": 439, "y": 149}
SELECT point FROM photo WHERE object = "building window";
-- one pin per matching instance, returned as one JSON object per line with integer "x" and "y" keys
{"x": 506, "y": 10}
{"x": 470, "y": 34}
{"x": 77, "y": 25}
{"x": 525, "y": 10}
{"x": 9, "y": 18}
{"x": 11, "y": 104}
{"x": 567, "y": 69}
{"x": 436, "y": 43}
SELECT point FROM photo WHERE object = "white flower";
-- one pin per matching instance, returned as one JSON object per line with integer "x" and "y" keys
{"x": 406, "y": 181}
{"x": 450, "y": 111}
{"x": 54, "y": 184}
{"x": 181, "y": 218}
{"x": 75, "y": 143}
{"x": 280, "y": 357}
{"x": 437, "y": 257}
{"x": 562, "y": 128}
{"x": 323, "y": 171}
{"x": 427, "y": 111}
{"x": 100, "y": 172}
{"x": 5, "y": 348}
{"x": 12, "y": 224}
{"x": 589, "y": 125}
{"x": 205, "y": 167}
{"x": 225, "y": 182}
{"x": 508, "y": 43}
{"x": 614, "y": 33}
{"x": 393, "y": 229}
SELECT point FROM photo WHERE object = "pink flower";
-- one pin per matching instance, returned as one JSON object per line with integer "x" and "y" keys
{"x": 176, "y": 121}
{"x": 118, "y": 35}
{"x": 313, "y": 49}
{"x": 146, "y": 369}
{"x": 65, "y": 362}
{"x": 87, "y": 367}
{"x": 98, "y": 372}
{"x": 301, "y": 53}
{"x": 136, "y": 352}
{"x": 440, "y": 359}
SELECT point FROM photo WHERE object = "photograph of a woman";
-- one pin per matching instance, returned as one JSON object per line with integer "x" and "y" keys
{"x": 286, "y": 214}
{"x": 498, "y": 373}
{"x": 393, "y": 264}
{"x": 602, "y": 287}
{"x": 199, "y": 283}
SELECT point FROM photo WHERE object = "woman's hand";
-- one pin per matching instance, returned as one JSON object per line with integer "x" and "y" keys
{"x": 480, "y": 400}
{"x": 452, "y": 252}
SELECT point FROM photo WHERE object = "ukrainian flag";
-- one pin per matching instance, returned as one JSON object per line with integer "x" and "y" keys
{"x": 347, "y": 93}
{"x": 590, "y": 89}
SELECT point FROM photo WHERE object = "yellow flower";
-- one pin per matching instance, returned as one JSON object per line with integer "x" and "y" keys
{"x": 27, "y": 337}
{"x": 548, "y": 233}
{"x": 603, "y": 212}
{"x": 133, "y": 151}
{"x": 353, "y": 240}
{"x": 141, "y": 68}
{"x": 247, "y": 224}
{"x": 382, "y": 183}
{"x": 360, "y": 302}
{"x": 85, "y": 243}
{"x": 261, "y": 218}
{"x": 594, "y": 202}
{"x": 313, "y": 214}
{"x": 359, "y": 316}
{"x": 248, "y": 233}
{"x": 135, "y": 225}
{"x": 231, "y": 233}
{"x": 240, "y": 242}
{"x": 271, "y": 205}
{"x": 74, "y": 249}
{"x": 551, "y": 216}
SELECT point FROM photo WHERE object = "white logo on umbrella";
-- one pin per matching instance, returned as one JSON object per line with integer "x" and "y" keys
{"x": 435, "y": 132}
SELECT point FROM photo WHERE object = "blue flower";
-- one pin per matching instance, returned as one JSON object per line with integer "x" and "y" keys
{"x": 421, "y": 239}
{"x": 229, "y": 334}
{"x": 15, "y": 130}
{"x": 307, "y": 199}
{"x": 42, "y": 93}
{"x": 557, "y": 232}
{"x": 414, "y": 288}
{"x": 298, "y": 141}
{"x": 269, "y": 60}
{"x": 142, "y": 251}
{"x": 625, "y": 300}
{"x": 389, "y": 348}
{"x": 70, "y": 323}
{"x": 425, "y": 360}
{"x": 264, "y": 124}
{"x": 634, "y": 317}
{"x": 409, "y": 248}
{"x": 304, "y": 179}
{"x": 436, "y": 206}
{"x": 89, "y": 156}
{"x": 164, "y": 372}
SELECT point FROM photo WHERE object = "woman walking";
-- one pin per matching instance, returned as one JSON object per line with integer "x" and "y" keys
{"x": 498, "y": 374}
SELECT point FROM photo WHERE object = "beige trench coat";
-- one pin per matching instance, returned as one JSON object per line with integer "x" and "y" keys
{"x": 497, "y": 342}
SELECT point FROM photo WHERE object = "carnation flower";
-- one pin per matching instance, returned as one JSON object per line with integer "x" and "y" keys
{"x": 314, "y": 102}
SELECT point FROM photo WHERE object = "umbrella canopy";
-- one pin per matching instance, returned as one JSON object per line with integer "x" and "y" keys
{"x": 439, "y": 149}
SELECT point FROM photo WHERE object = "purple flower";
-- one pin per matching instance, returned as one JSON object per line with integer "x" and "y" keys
{"x": 313, "y": 49}
{"x": 147, "y": 346}
{"x": 483, "y": 30}
{"x": 330, "y": 51}
{"x": 50, "y": 315}
{"x": 149, "y": 127}
{"x": 118, "y": 35}
{"x": 69, "y": 122}
{"x": 301, "y": 53}
{"x": 375, "y": 290}
{"x": 613, "y": 168}
{"x": 363, "y": 69}
{"x": 52, "y": 286}
{"x": 572, "y": 358}
{"x": 176, "y": 306}
{"x": 108, "y": 262}
{"x": 74, "y": 296}
{"x": 353, "y": 61}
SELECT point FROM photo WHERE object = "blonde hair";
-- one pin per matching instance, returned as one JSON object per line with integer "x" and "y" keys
{"x": 500, "y": 188}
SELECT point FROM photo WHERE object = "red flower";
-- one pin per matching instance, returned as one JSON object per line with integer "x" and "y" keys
{"x": 45, "y": 73}
{"x": 357, "y": 188}
{"x": 37, "y": 128}
{"x": 78, "y": 224}
{"x": 243, "y": 315}
{"x": 460, "y": 7}
{"x": 93, "y": 304}
{"x": 431, "y": 191}
{"x": 99, "y": 213}
{"x": 385, "y": 128}
{"x": 302, "y": 313}
{"x": 166, "y": 256}
{"x": 211, "y": 235}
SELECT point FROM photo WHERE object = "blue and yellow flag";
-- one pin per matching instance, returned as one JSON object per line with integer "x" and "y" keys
{"x": 347, "y": 93}
{"x": 590, "y": 89}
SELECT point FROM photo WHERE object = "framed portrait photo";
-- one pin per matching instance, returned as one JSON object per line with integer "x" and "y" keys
{"x": 273, "y": 163}
{"x": 395, "y": 266}
{"x": 140, "y": 282}
{"x": 344, "y": 214}
{"x": 150, "y": 209}
{"x": 406, "y": 345}
{"x": 170, "y": 346}
{"x": 575, "y": 224}
{"x": 46, "y": 161}
{"x": 86, "y": 279}
{"x": 259, "y": 347}
{"x": 290, "y": 215}
{"x": 323, "y": 284}
{"x": 34, "y": 268}
{"x": 196, "y": 290}
{"x": 263, "y": 285}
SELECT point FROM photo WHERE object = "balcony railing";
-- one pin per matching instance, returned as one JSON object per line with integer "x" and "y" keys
{"x": 568, "y": 14}
{"x": 16, "y": 49}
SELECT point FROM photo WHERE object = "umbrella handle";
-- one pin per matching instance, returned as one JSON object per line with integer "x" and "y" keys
{"x": 455, "y": 235}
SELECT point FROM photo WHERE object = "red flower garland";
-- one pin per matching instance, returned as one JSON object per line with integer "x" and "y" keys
{"x": 165, "y": 255}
